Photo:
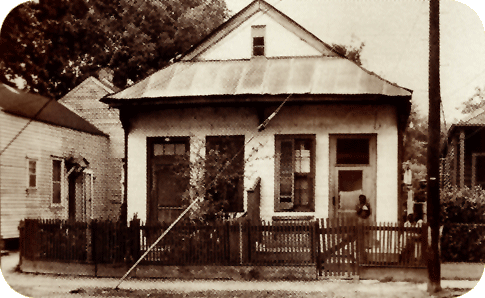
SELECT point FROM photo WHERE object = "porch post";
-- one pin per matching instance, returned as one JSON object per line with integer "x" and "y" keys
{"x": 462, "y": 158}
{"x": 125, "y": 123}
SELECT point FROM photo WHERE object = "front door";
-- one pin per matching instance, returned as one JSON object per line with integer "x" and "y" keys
{"x": 352, "y": 174}
{"x": 168, "y": 178}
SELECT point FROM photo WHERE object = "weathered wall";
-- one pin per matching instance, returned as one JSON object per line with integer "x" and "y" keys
{"x": 42, "y": 142}
{"x": 315, "y": 119}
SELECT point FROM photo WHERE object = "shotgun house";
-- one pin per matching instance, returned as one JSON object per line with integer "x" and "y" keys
{"x": 314, "y": 130}
{"x": 84, "y": 101}
{"x": 464, "y": 153}
{"x": 52, "y": 163}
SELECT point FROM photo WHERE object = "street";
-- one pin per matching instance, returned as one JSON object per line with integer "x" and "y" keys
{"x": 44, "y": 285}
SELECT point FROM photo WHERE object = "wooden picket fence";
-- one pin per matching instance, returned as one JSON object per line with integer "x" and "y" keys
{"x": 335, "y": 247}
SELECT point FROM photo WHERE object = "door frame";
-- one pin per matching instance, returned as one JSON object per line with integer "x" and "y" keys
{"x": 150, "y": 142}
{"x": 369, "y": 172}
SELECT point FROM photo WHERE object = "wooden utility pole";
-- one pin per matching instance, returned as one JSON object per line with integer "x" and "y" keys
{"x": 433, "y": 200}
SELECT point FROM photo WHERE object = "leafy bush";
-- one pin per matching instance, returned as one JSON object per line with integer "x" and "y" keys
{"x": 465, "y": 205}
{"x": 463, "y": 220}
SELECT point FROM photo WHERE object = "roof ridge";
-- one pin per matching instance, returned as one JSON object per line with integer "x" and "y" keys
{"x": 472, "y": 115}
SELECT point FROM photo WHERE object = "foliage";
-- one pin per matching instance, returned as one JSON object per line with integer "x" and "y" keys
{"x": 463, "y": 205}
{"x": 216, "y": 174}
{"x": 53, "y": 45}
{"x": 473, "y": 103}
{"x": 350, "y": 52}
{"x": 462, "y": 212}
{"x": 416, "y": 138}
{"x": 415, "y": 146}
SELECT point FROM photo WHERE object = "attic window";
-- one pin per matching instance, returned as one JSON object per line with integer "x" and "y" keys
{"x": 258, "y": 33}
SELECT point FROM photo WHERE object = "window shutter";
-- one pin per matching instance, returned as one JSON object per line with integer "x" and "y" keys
{"x": 286, "y": 171}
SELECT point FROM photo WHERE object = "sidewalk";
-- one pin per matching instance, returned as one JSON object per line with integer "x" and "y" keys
{"x": 39, "y": 285}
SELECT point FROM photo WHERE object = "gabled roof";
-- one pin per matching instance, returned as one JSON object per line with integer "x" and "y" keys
{"x": 247, "y": 12}
{"x": 27, "y": 105}
{"x": 192, "y": 80}
{"x": 475, "y": 118}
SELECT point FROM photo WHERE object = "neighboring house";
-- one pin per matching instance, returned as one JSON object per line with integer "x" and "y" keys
{"x": 464, "y": 152}
{"x": 54, "y": 164}
{"x": 84, "y": 101}
{"x": 338, "y": 135}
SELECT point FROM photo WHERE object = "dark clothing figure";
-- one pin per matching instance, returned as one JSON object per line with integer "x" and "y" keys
{"x": 363, "y": 207}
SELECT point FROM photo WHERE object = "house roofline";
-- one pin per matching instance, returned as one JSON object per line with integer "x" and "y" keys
{"x": 242, "y": 99}
{"x": 241, "y": 17}
{"x": 100, "y": 133}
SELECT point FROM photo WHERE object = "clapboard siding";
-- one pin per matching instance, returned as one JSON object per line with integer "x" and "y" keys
{"x": 42, "y": 142}
{"x": 84, "y": 100}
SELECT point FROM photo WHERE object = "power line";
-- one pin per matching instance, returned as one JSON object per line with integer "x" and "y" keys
{"x": 25, "y": 126}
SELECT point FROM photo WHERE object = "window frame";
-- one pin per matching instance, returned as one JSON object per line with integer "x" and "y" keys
{"x": 239, "y": 142}
{"x": 29, "y": 174}
{"x": 288, "y": 206}
{"x": 61, "y": 179}
{"x": 474, "y": 166}
{"x": 258, "y": 32}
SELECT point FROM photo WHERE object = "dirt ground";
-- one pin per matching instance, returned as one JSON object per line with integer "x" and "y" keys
{"x": 44, "y": 285}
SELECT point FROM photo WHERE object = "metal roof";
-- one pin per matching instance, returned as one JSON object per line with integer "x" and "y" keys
{"x": 319, "y": 75}
{"x": 27, "y": 105}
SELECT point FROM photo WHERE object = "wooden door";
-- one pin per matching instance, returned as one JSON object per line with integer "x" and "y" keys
{"x": 352, "y": 173}
{"x": 168, "y": 178}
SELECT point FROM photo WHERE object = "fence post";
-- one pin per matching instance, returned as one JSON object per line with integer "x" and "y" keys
{"x": 424, "y": 243}
{"x": 360, "y": 244}
{"x": 135, "y": 239}
{"x": 94, "y": 244}
{"x": 34, "y": 244}
{"x": 21, "y": 241}
{"x": 316, "y": 247}
{"x": 247, "y": 243}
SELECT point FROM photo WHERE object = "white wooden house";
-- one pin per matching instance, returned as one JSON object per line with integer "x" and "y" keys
{"x": 338, "y": 135}
{"x": 52, "y": 163}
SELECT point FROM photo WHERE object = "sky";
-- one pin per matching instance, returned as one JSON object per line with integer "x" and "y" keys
{"x": 395, "y": 34}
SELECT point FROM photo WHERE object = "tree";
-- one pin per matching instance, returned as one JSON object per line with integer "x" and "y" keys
{"x": 55, "y": 44}
{"x": 350, "y": 52}
{"x": 415, "y": 146}
{"x": 416, "y": 138}
{"x": 473, "y": 103}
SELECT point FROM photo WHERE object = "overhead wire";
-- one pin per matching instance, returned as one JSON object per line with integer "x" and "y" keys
{"x": 25, "y": 126}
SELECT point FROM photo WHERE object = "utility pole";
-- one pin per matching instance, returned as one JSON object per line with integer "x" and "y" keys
{"x": 433, "y": 199}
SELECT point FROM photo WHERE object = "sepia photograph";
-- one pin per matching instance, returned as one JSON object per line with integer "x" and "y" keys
{"x": 242, "y": 148}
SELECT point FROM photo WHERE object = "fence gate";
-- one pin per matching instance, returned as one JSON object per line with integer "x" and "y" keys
{"x": 337, "y": 250}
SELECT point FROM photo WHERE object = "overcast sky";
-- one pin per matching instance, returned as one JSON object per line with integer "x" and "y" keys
{"x": 395, "y": 34}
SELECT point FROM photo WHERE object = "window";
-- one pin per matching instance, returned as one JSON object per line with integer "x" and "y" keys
{"x": 32, "y": 173}
{"x": 225, "y": 160}
{"x": 353, "y": 151}
{"x": 295, "y": 173}
{"x": 56, "y": 181}
{"x": 478, "y": 174}
{"x": 258, "y": 33}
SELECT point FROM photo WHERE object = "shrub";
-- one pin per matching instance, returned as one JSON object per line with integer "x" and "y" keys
{"x": 463, "y": 220}
{"x": 465, "y": 205}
